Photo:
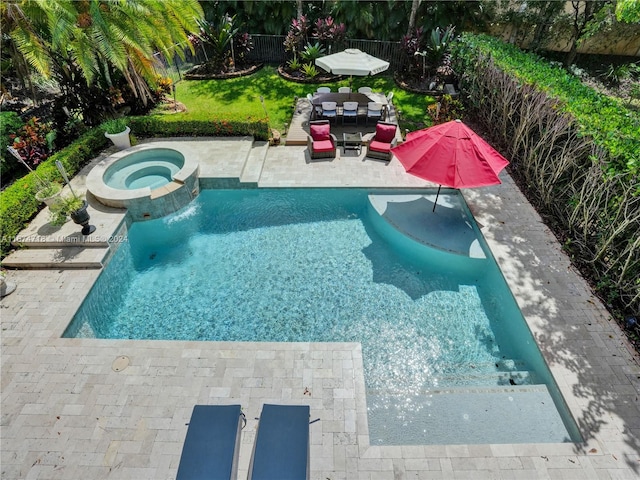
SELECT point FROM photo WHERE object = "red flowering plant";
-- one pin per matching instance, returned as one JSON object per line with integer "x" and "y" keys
{"x": 328, "y": 32}
{"x": 31, "y": 141}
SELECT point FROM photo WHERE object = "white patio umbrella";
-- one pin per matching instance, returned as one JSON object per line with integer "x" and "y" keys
{"x": 352, "y": 62}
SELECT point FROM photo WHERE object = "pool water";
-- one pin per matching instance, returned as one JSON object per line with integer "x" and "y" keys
{"x": 151, "y": 168}
{"x": 313, "y": 266}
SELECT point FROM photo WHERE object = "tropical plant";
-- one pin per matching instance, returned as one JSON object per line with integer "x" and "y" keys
{"x": 615, "y": 74}
{"x": 31, "y": 141}
{"x": 294, "y": 64}
{"x": 220, "y": 37}
{"x": 439, "y": 44}
{"x": 297, "y": 35}
{"x": 445, "y": 110}
{"x": 329, "y": 32}
{"x": 410, "y": 45}
{"x": 312, "y": 52}
{"x": 87, "y": 45}
{"x": 243, "y": 46}
{"x": 310, "y": 70}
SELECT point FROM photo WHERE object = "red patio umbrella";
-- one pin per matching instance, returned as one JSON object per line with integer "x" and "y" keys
{"x": 450, "y": 154}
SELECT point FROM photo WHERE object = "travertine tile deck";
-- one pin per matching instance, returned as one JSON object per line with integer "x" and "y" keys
{"x": 71, "y": 411}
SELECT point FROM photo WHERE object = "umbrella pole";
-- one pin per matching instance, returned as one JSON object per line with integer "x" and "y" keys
{"x": 437, "y": 195}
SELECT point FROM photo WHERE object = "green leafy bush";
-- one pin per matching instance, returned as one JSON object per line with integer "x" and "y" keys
{"x": 10, "y": 123}
{"x": 310, "y": 70}
{"x": 159, "y": 127}
{"x": 611, "y": 125}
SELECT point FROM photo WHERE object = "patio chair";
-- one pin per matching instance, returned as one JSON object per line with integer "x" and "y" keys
{"x": 344, "y": 89}
{"x": 320, "y": 141}
{"x": 315, "y": 110}
{"x": 350, "y": 110}
{"x": 389, "y": 96}
{"x": 323, "y": 90}
{"x": 382, "y": 142}
{"x": 374, "y": 111}
{"x": 212, "y": 444}
{"x": 364, "y": 90}
{"x": 281, "y": 448}
{"x": 330, "y": 110}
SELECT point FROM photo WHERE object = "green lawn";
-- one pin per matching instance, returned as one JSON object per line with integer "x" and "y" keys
{"x": 239, "y": 98}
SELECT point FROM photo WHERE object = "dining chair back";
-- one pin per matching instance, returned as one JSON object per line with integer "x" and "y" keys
{"x": 323, "y": 90}
{"x": 329, "y": 110}
{"x": 316, "y": 111}
{"x": 344, "y": 90}
{"x": 350, "y": 110}
{"x": 364, "y": 90}
{"x": 374, "y": 111}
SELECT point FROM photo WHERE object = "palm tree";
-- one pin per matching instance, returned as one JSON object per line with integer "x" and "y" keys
{"x": 95, "y": 38}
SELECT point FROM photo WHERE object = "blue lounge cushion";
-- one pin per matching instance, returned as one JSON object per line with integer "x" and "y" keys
{"x": 281, "y": 449}
{"x": 211, "y": 447}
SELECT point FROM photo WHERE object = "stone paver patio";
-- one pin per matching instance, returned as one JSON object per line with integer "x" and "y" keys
{"x": 117, "y": 409}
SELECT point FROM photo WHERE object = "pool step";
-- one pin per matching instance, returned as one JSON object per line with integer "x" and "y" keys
{"x": 497, "y": 415}
{"x": 516, "y": 377}
{"x": 255, "y": 160}
{"x": 75, "y": 257}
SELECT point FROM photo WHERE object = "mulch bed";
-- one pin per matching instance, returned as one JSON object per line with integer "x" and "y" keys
{"x": 199, "y": 72}
{"x": 300, "y": 77}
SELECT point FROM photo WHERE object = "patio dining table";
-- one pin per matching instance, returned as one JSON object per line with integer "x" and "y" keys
{"x": 362, "y": 99}
{"x": 340, "y": 98}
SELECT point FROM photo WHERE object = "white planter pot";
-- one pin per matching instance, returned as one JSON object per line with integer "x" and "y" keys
{"x": 120, "y": 140}
{"x": 48, "y": 201}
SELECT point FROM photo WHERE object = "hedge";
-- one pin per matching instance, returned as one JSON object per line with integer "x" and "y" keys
{"x": 606, "y": 120}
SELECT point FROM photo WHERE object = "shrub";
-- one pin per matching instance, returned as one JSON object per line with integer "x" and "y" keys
{"x": 157, "y": 127}
{"x": 597, "y": 116}
{"x": 10, "y": 123}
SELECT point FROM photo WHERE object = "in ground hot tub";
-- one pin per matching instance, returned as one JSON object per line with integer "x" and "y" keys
{"x": 151, "y": 168}
{"x": 149, "y": 181}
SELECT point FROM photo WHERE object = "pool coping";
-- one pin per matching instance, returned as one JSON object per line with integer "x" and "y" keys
{"x": 67, "y": 414}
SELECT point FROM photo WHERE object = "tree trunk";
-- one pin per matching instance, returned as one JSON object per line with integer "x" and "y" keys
{"x": 580, "y": 20}
{"x": 299, "y": 8}
{"x": 415, "y": 4}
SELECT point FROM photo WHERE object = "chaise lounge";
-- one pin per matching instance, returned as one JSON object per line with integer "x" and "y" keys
{"x": 281, "y": 448}
{"x": 212, "y": 444}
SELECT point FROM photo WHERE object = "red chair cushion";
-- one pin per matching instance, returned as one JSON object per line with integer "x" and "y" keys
{"x": 322, "y": 146}
{"x": 380, "y": 146}
{"x": 320, "y": 132}
{"x": 385, "y": 133}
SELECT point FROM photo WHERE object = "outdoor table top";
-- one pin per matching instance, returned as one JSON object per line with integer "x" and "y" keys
{"x": 340, "y": 98}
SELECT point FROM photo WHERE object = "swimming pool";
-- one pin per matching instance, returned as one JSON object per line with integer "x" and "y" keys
{"x": 319, "y": 265}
